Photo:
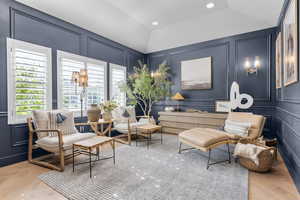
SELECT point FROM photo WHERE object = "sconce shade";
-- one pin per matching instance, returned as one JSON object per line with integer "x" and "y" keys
{"x": 83, "y": 78}
{"x": 178, "y": 97}
{"x": 252, "y": 67}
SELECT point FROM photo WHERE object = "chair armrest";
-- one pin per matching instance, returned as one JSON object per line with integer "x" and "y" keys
{"x": 59, "y": 134}
{"x": 48, "y": 130}
{"x": 143, "y": 116}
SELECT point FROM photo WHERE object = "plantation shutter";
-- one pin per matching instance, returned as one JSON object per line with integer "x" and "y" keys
{"x": 29, "y": 79}
{"x": 117, "y": 78}
{"x": 97, "y": 81}
{"x": 69, "y": 92}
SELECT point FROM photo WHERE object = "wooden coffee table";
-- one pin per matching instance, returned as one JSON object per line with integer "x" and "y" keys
{"x": 86, "y": 147}
{"x": 146, "y": 131}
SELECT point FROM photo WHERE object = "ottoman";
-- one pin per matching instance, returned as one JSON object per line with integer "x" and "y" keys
{"x": 204, "y": 139}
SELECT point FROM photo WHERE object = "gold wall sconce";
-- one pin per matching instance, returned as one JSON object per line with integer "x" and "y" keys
{"x": 252, "y": 66}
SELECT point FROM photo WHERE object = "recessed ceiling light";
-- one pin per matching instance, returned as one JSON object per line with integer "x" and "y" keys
{"x": 210, "y": 5}
{"x": 155, "y": 23}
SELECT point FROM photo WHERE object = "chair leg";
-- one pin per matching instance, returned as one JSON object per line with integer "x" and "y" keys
{"x": 179, "y": 150}
{"x": 229, "y": 157}
{"x": 30, "y": 147}
{"x": 62, "y": 159}
{"x": 209, "y": 154}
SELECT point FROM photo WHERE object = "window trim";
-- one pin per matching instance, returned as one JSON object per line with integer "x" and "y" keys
{"x": 116, "y": 66}
{"x": 11, "y": 90}
{"x": 85, "y": 60}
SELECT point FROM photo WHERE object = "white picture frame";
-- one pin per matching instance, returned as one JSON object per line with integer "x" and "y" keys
{"x": 223, "y": 106}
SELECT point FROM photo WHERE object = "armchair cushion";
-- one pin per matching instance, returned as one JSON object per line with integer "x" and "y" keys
{"x": 40, "y": 121}
{"x": 51, "y": 143}
{"x": 256, "y": 121}
{"x": 67, "y": 127}
{"x": 118, "y": 112}
{"x": 123, "y": 127}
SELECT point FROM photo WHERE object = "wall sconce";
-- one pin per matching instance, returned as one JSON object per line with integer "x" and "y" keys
{"x": 252, "y": 67}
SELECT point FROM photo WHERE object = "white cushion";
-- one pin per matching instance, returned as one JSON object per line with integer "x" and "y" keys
{"x": 67, "y": 126}
{"x": 238, "y": 128}
{"x": 51, "y": 143}
{"x": 118, "y": 112}
{"x": 123, "y": 127}
{"x": 41, "y": 121}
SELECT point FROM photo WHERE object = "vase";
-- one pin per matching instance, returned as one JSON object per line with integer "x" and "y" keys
{"x": 107, "y": 116}
{"x": 94, "y": 113}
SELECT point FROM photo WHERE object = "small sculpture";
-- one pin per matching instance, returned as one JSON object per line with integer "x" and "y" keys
{"x": 236, "y": 99}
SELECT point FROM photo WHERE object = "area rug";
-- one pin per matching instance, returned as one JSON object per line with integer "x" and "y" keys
{"x": 159, "y": 173}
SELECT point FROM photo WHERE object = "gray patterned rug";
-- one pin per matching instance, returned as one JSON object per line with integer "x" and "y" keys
{"x": 159, "y": 173}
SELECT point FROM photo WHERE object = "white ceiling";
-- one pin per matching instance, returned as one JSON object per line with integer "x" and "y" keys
{"x": 181, "y": 22}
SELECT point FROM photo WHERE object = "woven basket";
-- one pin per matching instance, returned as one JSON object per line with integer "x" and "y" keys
{"x": 266, "y": 159}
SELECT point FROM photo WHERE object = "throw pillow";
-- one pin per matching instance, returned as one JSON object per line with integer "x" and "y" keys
{"x": 67, "y": 126}
{"x": 249, "y": 151}
{"x": 237, "y": 128}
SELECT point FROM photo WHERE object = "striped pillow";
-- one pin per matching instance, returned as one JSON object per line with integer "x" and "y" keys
{"x": 237, "y": 128}
{"x": 67, "y": 126}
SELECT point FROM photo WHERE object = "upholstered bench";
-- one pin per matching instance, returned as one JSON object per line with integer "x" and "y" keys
{"x": 205, "y": 139}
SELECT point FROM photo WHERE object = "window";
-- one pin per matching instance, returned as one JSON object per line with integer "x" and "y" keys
{"x": 28, "y": 79}
{"x": 117, "y": 77}
{"x": 68, "y": 93}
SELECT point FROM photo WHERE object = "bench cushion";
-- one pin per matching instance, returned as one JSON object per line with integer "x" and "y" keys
{"x": 203, "y": 137}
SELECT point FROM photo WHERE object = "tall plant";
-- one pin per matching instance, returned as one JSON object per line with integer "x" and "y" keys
{"x": 144, "y": 88}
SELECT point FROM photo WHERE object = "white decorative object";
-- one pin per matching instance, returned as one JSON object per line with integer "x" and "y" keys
{"x": 169, "y": 109}
{"x": 236, "y": 98}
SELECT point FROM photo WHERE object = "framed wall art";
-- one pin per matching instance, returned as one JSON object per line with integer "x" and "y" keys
{"x": 196, "y": 74}
{"x": 290, "y": 44}
{"x": 279, "y": 61}
{"x": 223, "y": 106}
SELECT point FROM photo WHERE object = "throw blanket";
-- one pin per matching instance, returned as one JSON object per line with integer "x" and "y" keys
{"x": 249, "y": 151}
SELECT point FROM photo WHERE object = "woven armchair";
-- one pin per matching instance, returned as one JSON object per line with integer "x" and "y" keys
{"x": 55, "y": 139}
{"x": 128, "y": 125}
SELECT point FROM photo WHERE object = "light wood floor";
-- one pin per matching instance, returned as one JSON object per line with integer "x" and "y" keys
{"x": 20, "y": 182}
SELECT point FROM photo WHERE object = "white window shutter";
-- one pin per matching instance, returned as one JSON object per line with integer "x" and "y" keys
{"x": 96, "y": 91}
{"x": 117, "y": 78}
{"x": 30, "y": 81}
{"x": 69, "y": 97}
{"x": 69, "y": 93}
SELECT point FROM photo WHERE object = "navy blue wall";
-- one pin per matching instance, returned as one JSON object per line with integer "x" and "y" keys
{"x": 288, "y": 122}
{"x": 27, "y": 24}
{"x": 228, "y": 55}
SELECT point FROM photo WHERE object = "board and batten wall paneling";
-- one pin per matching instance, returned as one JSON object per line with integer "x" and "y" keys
{"x": 228, "y": 57}
{"x": 24, "y": 23}
{"x": 288, "y": 118}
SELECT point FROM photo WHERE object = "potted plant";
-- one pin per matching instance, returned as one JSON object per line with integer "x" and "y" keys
{"x": 144, "y": 88}
{"x": 107, "y": 107}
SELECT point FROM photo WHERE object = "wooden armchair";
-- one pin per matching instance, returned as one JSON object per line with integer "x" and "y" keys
{"x": 128, "y": 125}
{"x": 56, "y": 139}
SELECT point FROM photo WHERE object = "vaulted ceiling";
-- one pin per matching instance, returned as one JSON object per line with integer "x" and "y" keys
{"x": 181, "y": 22}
